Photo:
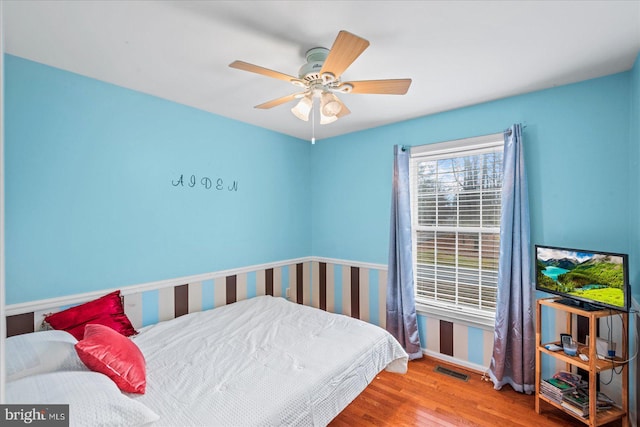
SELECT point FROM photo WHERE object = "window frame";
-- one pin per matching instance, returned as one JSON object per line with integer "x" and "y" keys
{"x": 448, "y": 149}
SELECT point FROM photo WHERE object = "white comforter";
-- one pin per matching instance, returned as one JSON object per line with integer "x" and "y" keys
{"x": 261, "y": 361}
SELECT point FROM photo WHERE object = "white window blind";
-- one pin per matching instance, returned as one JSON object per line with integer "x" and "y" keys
{"x": 455, "y": 196}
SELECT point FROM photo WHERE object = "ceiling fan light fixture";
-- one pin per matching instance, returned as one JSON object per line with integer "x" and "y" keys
{"x": 324, "y": 120}
{"x": 303, "y": 108}
{"x": 329, "y": 104}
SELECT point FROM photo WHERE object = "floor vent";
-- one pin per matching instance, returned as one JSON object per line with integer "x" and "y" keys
{"x": 452, "y": 373}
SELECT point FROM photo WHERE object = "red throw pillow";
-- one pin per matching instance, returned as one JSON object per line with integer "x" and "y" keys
{"x": 106, "y": 310}
{"x": 108, "y": 352}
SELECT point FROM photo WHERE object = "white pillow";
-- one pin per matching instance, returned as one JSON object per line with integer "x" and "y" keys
{"x": 40, "y": 352}
{"x": 94, "y": 400}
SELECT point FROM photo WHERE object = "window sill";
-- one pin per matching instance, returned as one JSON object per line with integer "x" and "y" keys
{"x": 456, "y": 315}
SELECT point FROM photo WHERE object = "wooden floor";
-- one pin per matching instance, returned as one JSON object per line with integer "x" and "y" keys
{"x": 423, "y": 397}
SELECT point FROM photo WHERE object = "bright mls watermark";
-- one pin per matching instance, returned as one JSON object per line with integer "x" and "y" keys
{"x": 34, "y": 415}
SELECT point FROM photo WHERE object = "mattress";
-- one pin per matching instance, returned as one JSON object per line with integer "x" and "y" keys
{"x": 261, "y": 361}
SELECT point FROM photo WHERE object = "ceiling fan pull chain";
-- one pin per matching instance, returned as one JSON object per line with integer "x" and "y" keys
{"x": 313, "y": 124}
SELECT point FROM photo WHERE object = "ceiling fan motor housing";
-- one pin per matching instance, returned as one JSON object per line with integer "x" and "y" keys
{"x": 315, "y": 59}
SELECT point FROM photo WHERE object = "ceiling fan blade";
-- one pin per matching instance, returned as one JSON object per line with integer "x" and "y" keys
{"x": 346, "y": 48}
{"x": 383, "y": 87}
{"x": 278, "y": 101}
{"x": 241, "y": 65}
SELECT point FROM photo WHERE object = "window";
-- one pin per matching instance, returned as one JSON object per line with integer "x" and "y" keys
{"x": 455, "y": 200}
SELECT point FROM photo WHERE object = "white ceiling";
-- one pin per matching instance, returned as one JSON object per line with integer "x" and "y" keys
{"x": 458, "y": 53}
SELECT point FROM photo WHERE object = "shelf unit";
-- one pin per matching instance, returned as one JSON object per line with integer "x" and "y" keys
{"x": 593, "y": 366}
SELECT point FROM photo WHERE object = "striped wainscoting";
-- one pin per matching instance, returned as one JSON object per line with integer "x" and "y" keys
{"x": 457, "y": 343}
{"x": 359, "y": 291}
{"x": 151, "y": 303}
{"x": 147, "y": 308}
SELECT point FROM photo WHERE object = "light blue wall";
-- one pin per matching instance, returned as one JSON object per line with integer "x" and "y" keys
{"x": 576, "y": 147}
{"x": 634, "y": 193}
{"x": 90, "y": 203}
{"x": 634, "y": 196}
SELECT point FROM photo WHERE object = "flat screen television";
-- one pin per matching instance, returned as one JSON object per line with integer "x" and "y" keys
{"x": 588, "y": 279}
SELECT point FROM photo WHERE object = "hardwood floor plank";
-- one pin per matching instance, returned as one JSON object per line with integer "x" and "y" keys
{"x": 424, "y": 397}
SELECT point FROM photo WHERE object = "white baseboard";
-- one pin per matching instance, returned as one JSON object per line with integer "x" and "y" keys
{"x": 449, "y": 359}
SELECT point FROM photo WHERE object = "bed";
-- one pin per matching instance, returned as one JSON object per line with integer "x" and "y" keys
{"x": 260, "y": 361}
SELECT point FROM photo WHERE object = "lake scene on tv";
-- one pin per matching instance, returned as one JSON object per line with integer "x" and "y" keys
{"x": 586, "y": 275}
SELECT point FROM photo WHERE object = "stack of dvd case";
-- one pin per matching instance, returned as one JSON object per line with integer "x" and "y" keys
{"x": 555, "y": 389}
{"x": 571, "y": 392}
{"x": 577, "y": 402}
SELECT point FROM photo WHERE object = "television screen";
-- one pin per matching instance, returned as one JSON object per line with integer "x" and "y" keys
{"x": 588, "y": 278}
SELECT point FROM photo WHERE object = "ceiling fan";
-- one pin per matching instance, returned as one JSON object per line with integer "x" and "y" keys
{"x": 319, "y": 78}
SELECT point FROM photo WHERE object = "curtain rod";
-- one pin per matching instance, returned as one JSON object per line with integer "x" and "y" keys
{"x": 407, "y": 147}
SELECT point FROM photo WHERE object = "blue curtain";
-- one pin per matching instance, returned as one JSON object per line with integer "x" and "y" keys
{"x": 401, "y": 306}
{"x": 513, "y": 360}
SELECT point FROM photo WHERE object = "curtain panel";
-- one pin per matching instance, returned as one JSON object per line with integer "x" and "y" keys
{"x": 513, "y": 360}
{"x": 402, "y": 320}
